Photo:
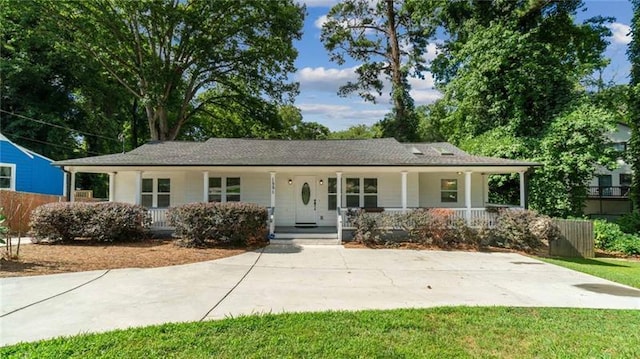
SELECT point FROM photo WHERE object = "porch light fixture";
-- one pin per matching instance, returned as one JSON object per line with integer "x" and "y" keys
{"x": 321, "y": 182}
{"x": 290, "y": 181}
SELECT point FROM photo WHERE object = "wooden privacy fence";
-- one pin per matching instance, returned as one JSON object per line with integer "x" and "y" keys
{"x": 17, "y": 207}
{"x": 577, "y": 239}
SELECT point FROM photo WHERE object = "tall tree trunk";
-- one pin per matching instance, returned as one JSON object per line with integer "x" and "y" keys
{"x": 397, "y": 81}
{"x": 152, "y": 119}
{"x": 134, "y": 123}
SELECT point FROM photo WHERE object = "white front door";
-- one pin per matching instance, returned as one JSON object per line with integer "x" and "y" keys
{"x": 305, "y": 197}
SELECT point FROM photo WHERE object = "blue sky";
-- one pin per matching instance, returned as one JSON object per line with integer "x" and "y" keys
{"x": 320, "y": 78}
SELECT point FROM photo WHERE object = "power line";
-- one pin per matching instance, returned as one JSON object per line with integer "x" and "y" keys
{"x": 48, "y": 143}
{"x": 58, "y": 126}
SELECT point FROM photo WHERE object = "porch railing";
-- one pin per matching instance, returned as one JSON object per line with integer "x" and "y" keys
{"x": 159, "y": 218}
{"x": 476, "y": 217}
{"x": 608, "y": 192}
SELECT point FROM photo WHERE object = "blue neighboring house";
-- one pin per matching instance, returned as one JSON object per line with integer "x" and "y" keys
{"x": 26, "y": 171}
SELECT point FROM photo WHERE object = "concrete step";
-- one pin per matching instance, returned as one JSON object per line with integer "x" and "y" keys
{"x": 305, "y": 241}
{"x": 306, "y": 235}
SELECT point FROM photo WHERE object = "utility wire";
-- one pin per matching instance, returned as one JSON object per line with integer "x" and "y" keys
{"x": 48, "y": 143}
{"x": 58, "y": 126}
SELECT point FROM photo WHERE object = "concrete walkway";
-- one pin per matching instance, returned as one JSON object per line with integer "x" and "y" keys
{"x": 281, "y": 279}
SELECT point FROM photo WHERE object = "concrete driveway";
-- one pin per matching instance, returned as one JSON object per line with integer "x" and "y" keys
{"x": 279, "y": 279}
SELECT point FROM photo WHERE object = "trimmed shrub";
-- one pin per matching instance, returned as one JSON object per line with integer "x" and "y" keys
{"x": 368, "y": 227}
{"x": 65, "y": 221}
{"x": 630, "y": 223}
{"x": 193, "y": 222}
{"x": 610, "y": 237}
{"x": 233, "y": 222}
{"x": 114, "y": 221}
{"x": 439, "y": 227}
{"x": 522, "y": 230}
{"x": 61, "y": 221}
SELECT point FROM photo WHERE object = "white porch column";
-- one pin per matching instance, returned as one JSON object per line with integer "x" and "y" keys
{"x": 72, "y": 190}
{"x": 485, "y": 188}
{"x": 138, "y": 187}
{"x": 205, "y": 186}
{"x": 467, "y": 194}
{"x": 339, "y": 189}
{"x": 273, "y": 189}
{"x": 404, "y": 190}
{"x": 521, "y": 189}
{"x": 112, "y": 186}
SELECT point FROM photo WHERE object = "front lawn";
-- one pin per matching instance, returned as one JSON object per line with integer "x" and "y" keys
{"x": 617, "y": 270}
{"x": 448, "y": 332}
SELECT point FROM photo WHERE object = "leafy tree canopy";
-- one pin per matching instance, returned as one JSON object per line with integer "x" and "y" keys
{"x": 164, "y": 53}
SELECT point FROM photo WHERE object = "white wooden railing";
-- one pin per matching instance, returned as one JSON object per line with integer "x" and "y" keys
{"x": 159, "y": 218}
{"x": 475, "y": 217}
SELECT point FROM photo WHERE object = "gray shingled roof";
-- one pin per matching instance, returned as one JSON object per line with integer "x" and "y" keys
{"x": 254, "y": 152}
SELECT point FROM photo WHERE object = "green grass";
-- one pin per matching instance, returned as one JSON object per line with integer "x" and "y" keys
{"x": 617, "y": 270}
{"x": 446, "y": 332}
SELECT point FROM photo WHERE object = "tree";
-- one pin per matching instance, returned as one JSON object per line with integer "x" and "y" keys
{"x": 515, "y": 64}
{"x": 570, "y": 150}
{"x": 634, "y": 104}
{"x": 389, "y": 44}
{"x": 165, "y": 53}
{"x": 511, "y": 73}
{"x": 357, "y": 132}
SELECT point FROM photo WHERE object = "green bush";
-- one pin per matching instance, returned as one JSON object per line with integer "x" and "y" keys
{"x": 630, "y": 223}
{"x": 522, "y": 230}
{"x": 64, "y": 221}
{"x": 610, "y": 237}
{"x": 233, "y": 222}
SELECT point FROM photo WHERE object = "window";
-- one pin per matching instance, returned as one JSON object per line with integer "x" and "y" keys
{"x": 332, "y": 190}
{"x": 156, "y": 192}
{"x": 449, "y": 190}
{"x": 7, "y": 176}
{"x": 625, "y": 179}
{"x": 353, "y": 192}
{"x": 224, "y": 189}
{"x": 370, "y": 192}
{"x": 619, "y": 146}
{"x": 362, "y": 196}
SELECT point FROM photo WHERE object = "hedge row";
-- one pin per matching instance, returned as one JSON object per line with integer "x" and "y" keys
{"x": 520, "y": 230}
{"x": 233, "y": 222}
{"x": 109, "y": 221}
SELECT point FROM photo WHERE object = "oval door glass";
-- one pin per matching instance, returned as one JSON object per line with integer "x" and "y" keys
{"x": 306, "y": 193}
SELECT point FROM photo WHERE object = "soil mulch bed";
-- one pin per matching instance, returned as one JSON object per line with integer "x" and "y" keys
{"x": 85, "y": 255}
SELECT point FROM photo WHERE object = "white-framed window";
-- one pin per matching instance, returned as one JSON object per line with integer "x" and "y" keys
{"x": 224, "y": 189}
{"x": 361, "y": 192}
{"x": 7, "y": 176}
{"x": 449, "y": 190}
{"x": 156, "y": 192}
{"x": 332, "y": 193}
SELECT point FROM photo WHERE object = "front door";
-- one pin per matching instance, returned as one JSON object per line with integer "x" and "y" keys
{"x": 305, "y": 200}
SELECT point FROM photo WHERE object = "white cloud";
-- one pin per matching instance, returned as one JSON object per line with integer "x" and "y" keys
{"x": 621, "y": 33}
{"x": 318, "y": 3}
{"x": 320, "y": 21}
{"x": 324, "y": 79}
{"x": 340, "y": 117}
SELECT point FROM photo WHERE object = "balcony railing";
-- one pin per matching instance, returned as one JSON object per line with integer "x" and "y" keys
{"x": 608, "y": 192}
